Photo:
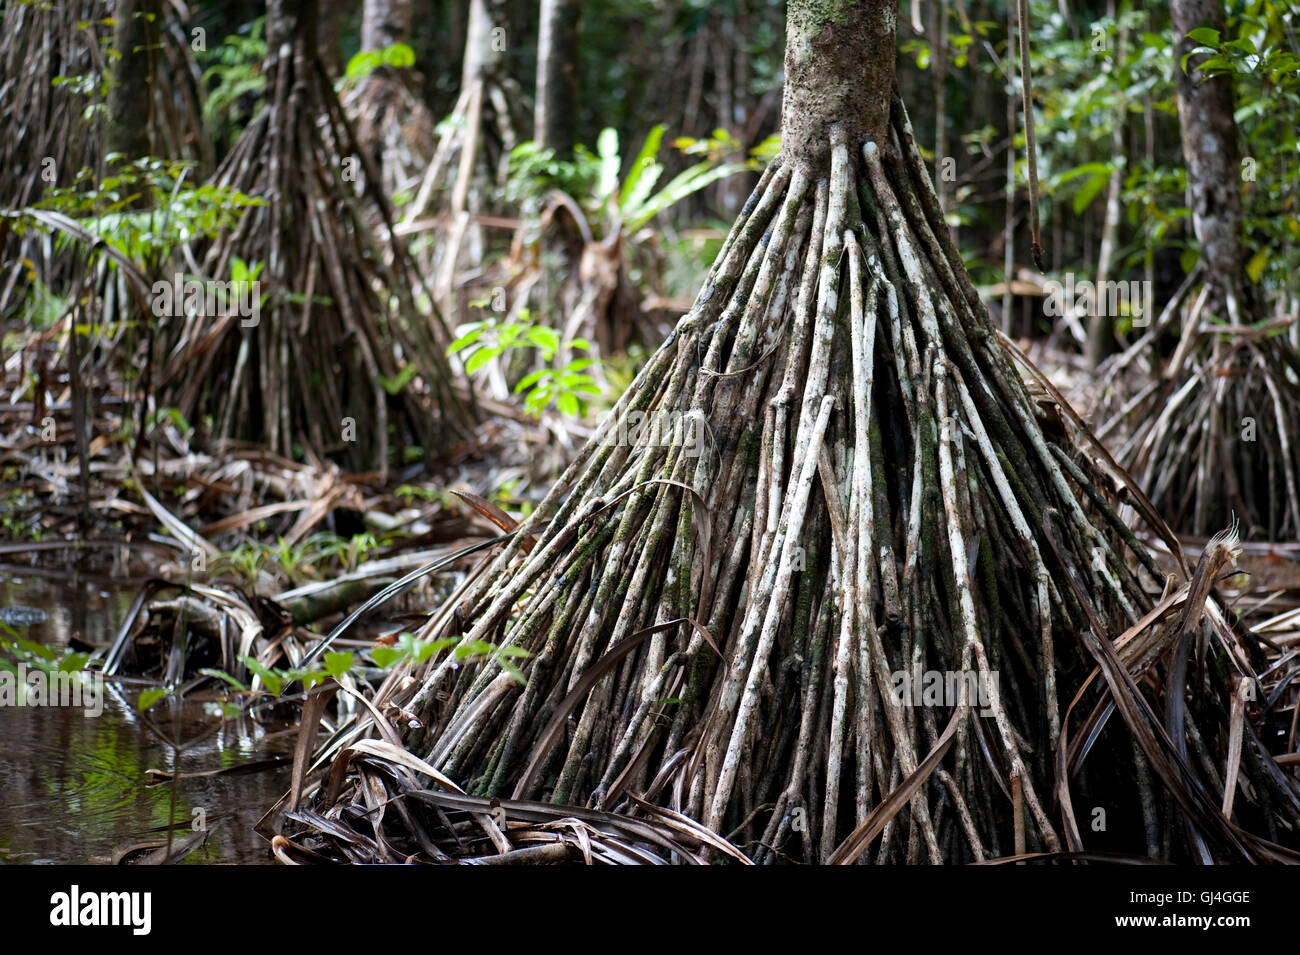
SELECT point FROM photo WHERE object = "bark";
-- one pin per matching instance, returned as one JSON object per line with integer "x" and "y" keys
{"x": 839, "y": 70}
{"x": 555, "y": 119}
{"x": 385, "y": 22}
{"x": 286, "y": 20}
{"x": 136, "y": 31}
{"x": 328, "y": 37}
{"x": 1101, "y": 329}
{"x": 1205, "y": 110}
{"x": 484, "y": 41}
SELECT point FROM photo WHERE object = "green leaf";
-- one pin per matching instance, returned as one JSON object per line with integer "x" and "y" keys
{"x": 469, "y": 338}
{"x": 569, "y": 404}
{"x": 399, "y": 55}
{"x": 270, "y": 679}
{"x": 385, "y": 657}
{"x": 1087, "y": 169}
{"x": 1083, "y": 198}
{"x": 645, "y": 171}
{"x": 362, "y": 64}
{"x": 73, "y": 662}
{"x": 151, "y": 696}
{"x": 531, "y": 379}
{"x": 686, "y": 183}
{"x": 514, "y": 672}
{"x": 477, "y": 360}
{"x": 547, "y": 339}
{"x": 395, "y": 385}
{"x": 473, "y": 648}
{"x": 1205, "y": 35}
{"x": 607, "y": 149}
{"x": 337, "y": 664}
{"x": 221, "y": 675}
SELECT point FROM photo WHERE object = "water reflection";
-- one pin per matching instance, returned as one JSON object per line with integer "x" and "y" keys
{"x": 77, "y": 789}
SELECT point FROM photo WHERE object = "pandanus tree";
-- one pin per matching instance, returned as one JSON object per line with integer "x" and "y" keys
{"x": 1211, "y": 431}
{"x": 342, "y": 358}
{"x": 829, "y": 483}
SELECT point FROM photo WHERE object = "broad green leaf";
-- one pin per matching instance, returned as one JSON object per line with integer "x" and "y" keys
{"x": 1087, "y": 169}
{"x": 337, "y": 664}
{"x": 569, "y": 405}
{"x": 473, "y": 648}
{"x": 477, "y": 360}
{"x": 644, "y": 173}
{"x": 686, "y": 183}
{"x": 385, "y": 657}
{"x": 151, "y": 696}
{"x": 469, "y": 338}
{"x": 1083, "y": 198}
{"x": 270, "y": 679}
{"x": 531, "y": 379}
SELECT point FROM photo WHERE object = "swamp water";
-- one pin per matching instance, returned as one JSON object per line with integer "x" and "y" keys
{"x": 78, "y": 789}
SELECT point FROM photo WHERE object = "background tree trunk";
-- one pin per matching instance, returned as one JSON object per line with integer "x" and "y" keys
{"x": 136, "y": 32}
{"x": 555, "y": 119}
{"x": 1205, "y": 110}
{"x": 385, "y": 22}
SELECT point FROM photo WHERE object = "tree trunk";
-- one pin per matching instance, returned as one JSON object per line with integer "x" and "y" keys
{"x": 1205, "y": 110}
{"x": 839, "y": 70}
{"x": 385, "y": 22}
{"x": 327, "y": 46}
{"x": 1101, "y": 330}
{"x": 555, "y": 119}
{"x": 136, "y": 31}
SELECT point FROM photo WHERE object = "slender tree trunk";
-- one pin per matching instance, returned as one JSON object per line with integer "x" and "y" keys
{"x": 486, "y": 40}
{"x": 1101, "y": 329}
{"x": 385, "y": 22}
{"x": 1205, "y": 110}
{"x": 136, "y": 31}
{"x": 555, "y": 119}
{"x": 328, "y": 37}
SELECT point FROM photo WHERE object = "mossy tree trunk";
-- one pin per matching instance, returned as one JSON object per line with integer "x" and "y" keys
{"x": 1206, "y": 105}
